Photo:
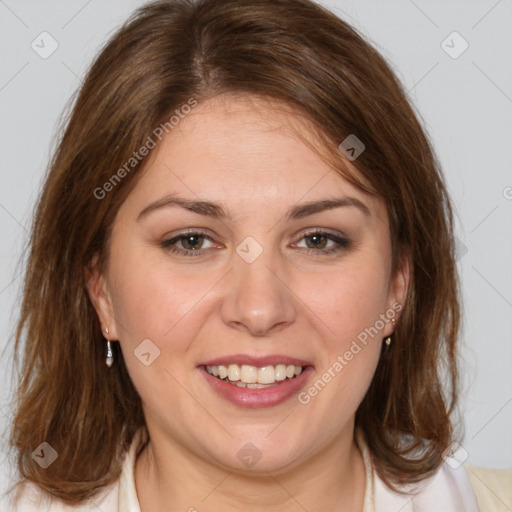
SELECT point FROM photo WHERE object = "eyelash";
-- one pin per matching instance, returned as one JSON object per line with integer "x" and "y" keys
{"x": 343, "y": 243}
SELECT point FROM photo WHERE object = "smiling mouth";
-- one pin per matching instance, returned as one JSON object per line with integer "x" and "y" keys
{"x": 253, "y": 377}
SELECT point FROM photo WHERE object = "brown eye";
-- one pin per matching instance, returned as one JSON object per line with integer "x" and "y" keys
{"x": 316, "y": 241}
{"x": 323, "y": 243}
{"x": 188, "y": 244}
{"x": 192, "y": 242}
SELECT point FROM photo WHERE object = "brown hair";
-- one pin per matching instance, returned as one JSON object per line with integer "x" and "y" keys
{"x": 171, "y": 51}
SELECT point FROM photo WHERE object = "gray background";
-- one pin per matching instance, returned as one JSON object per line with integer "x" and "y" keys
{"x": 466, "y": 106}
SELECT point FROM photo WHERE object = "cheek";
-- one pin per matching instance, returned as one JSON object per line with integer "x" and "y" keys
{"x": 152, "y": 304}
{"x": 153, "y": 301}
{"x": 351, "y": 302}
{"x": 148, "y": 298}
{"x": 349, "y": 310}
{"x": 349, "y": 299}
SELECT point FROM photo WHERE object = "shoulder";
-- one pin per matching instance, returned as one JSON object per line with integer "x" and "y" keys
{"x": 452, "y": 489}
{"x": 493, "y": 488}
{"x": 448, "y": 490}
{"x": 28, "y": 497}
{"x": 120, "y": 495}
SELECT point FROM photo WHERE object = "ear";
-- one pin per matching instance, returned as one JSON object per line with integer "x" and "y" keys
{"x": 400, "y": 281}
{"x": 398, "y": 289}
{"x": 100, "y": 297}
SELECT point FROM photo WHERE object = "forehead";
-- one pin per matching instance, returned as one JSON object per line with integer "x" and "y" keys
{"x": 237, "y": 148}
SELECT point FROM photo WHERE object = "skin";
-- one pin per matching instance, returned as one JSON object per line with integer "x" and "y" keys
{"x": 293, "y": 300}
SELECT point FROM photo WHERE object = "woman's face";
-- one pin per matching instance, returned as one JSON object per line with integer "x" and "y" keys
{"x": 255, "y": 271}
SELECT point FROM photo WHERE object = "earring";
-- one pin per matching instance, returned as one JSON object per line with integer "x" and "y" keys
{"x": 387, "y": 340}
{"x": 110, "y": 356}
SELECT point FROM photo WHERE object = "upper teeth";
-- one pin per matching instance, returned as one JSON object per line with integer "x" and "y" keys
{"x": 254, "y": 375}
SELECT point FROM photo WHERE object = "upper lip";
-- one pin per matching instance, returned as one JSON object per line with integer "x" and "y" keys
{"x": 260, "y": 362}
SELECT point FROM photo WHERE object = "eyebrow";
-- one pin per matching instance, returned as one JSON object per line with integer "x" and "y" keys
{"x": 217, "y": 211}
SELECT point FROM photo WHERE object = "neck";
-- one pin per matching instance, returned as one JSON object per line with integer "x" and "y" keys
{"x": 169, "y": 477}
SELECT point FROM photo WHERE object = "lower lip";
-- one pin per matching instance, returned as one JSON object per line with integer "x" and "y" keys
{"x": 255, "y": 398}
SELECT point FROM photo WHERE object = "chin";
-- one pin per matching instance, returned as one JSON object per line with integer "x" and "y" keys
{"x": 247, "y": 455}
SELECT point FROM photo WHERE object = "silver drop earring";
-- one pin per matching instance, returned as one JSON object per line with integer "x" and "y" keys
{"x": 110, "y": 356}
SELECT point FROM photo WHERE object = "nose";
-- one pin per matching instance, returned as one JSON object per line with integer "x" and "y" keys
{"x": 257, "y": 299}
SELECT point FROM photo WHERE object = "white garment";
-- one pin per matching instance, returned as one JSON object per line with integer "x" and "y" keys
{"x": 448, "y": 491}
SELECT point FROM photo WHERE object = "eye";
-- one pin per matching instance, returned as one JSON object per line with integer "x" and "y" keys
{"x": 192, "y": 243}
{"x": 322, "y": 242}
{"x": 196, "y": 243}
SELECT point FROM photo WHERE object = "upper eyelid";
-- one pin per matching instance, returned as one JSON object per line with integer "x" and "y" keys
{"x": 326, "y": 231}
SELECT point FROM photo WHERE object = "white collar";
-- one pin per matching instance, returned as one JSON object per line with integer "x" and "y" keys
{"x": 449, "y": 490}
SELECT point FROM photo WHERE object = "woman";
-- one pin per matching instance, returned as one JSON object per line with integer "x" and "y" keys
{"x": 241, "y": 279}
